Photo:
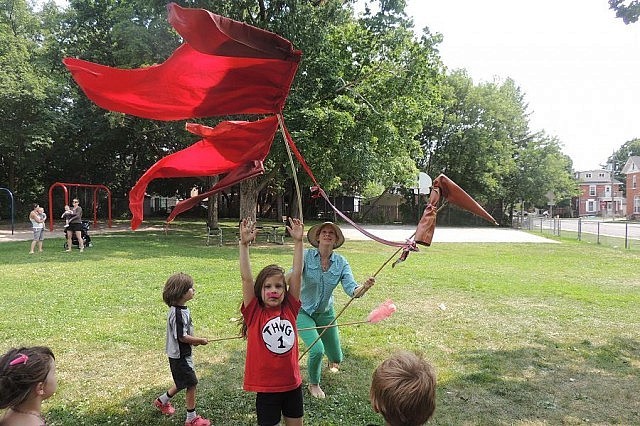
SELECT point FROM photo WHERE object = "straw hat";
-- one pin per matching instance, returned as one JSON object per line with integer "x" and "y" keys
{"x": 314, "y": 232}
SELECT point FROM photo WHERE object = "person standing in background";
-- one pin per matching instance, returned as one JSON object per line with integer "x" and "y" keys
{"x": 75, "y": 226}
{"x": 37, "y": 218}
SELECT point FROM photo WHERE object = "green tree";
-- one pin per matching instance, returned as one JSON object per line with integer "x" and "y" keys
{"x": 629, "y": 12}
{"x": 476, "y": 140}
{"x": 362, "y": 93}
{"x": 619, "y": 158}
{"x": 28, "y": 98}
{"x": 94, "y": 145}
{"x": 357, "y": 100}
{"x": 541, "y": 168}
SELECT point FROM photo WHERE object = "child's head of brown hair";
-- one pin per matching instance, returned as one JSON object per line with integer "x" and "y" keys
{"x": 176, "y": 287}
{"x": 266, "y": 272}
{"x": 21, "y": 369}
{"x": 403, "y": 389}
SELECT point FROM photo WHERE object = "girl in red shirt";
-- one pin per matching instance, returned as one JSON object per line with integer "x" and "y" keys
{"x": 269, "y": 310}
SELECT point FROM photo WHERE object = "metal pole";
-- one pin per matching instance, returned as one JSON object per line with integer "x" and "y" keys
{"x": 579, "y": 229}
{"x": 627, "y": 243}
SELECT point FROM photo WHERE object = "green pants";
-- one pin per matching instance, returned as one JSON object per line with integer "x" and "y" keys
{"x": 329, "y": 342}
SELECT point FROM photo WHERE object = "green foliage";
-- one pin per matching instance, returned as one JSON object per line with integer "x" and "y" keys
{"x": 619, "y": 158}
{"x": 518, "y": 333}
{"x": 628, "y": 11}
{"x": 484, "y": 144}
{"x": 27, "y": 101}
{"x": 541, "y": 168}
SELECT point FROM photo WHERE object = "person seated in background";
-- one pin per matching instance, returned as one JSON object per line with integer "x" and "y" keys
{"x": 403, "y": 390}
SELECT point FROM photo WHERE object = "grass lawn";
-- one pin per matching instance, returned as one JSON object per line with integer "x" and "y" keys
{"x": 520, "y": 334}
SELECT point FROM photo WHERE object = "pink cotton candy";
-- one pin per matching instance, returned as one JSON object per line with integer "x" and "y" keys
{"x": 384, "y": 311}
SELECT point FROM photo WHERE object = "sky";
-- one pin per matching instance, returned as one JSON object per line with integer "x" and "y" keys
{"x": 576, "y": 63}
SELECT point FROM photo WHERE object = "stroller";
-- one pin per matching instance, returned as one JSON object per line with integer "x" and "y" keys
{"x": 86, "y": 239}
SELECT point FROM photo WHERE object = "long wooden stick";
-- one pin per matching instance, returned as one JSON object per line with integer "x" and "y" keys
{"x": 219, "y": 339}
{"x": 293, "y": 168}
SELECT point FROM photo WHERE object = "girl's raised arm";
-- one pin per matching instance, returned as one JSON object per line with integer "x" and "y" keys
{"x": 296, "y": 230}
{"x": 247, "y": 234}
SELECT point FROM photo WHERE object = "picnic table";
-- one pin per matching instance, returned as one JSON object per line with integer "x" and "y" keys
{"x": 272, "y": 233}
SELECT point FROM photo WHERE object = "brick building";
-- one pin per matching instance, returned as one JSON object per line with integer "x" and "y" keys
{"x": 600, "y": 194}
{"x": 632, "y": 171}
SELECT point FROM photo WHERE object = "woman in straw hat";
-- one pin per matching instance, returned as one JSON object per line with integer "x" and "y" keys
{"x": 323, "y": 270}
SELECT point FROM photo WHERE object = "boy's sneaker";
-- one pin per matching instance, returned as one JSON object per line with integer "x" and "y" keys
{"x": 166, "y": 409}
{"x": 198, "y": 421}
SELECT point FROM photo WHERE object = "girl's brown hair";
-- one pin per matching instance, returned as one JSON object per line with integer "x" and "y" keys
{"x": 266, "y": 272}
{"x": 20, "y": 370}
{"x": 176, "y": 287}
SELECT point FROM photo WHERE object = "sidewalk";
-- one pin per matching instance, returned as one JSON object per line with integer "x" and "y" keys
{"x": 25, "y": 233}
{"x": 442, "y": 234}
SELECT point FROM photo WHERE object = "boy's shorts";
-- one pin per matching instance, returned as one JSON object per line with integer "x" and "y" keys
{"x": 184, "y": 376}
{"x": 271, "y": 406}
{"x": 38, "y": 234}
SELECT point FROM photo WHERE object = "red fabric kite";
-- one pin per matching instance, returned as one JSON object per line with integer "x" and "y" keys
{"x": 225, "y": 67}
{"x": 230, "y": 145}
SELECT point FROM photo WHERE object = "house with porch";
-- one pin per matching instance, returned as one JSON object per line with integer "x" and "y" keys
{"x": 632, "y": 171}
{"x": 600, "y": 194}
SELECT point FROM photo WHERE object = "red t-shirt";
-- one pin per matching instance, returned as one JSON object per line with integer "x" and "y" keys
{"x": 272, "y": 347}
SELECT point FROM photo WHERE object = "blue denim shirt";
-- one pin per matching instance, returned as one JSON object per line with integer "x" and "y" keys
{"x": 316, "y": 293}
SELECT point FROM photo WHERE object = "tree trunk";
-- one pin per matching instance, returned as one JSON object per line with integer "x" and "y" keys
{"x": 248, "y": 198}
{"x": 280, "y": 213}
{"x": 212, "y": 211}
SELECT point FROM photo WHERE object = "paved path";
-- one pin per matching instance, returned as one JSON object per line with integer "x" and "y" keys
{"x": 388, "y": 232}
{"x": 443, "y": 234}
{"x": 26, "y": 234}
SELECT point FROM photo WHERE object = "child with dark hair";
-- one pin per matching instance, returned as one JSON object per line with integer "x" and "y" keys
{"x": 269, "y": 311}
{"x": 403, "y": 390}
{"x": 27, "y": 377}
{"x": 178, "y": 290}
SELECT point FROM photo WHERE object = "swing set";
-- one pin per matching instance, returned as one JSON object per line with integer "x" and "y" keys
{"x": 94, "y": 203}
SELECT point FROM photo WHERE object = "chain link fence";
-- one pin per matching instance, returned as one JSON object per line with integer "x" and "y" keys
{"x": 620, "y": 234}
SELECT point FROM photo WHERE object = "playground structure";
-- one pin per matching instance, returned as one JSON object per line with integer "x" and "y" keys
{"x": 13, "y": 209}
{"x": 94, "y": 203}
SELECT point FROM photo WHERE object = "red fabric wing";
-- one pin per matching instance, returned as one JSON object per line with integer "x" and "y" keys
{"x": 189, "y": 84}
{"x": 229, "y": 145}
{"x": 225, "y": 67}
{"x": 216, "y": 35}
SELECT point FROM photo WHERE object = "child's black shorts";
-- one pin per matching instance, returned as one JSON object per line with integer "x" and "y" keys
{"x": 184, "y": 376}
{"x": 271, "y": 406}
